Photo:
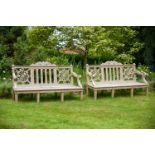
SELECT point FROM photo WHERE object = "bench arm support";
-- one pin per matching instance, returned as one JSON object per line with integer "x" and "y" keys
{"x": 91, "y": 76}
{"x": 143, "y": 75}
{"x": 77, "y": 77}
{"x": 14, "y": 79}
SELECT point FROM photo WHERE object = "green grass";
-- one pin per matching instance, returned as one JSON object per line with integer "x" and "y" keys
{"x": 119, "y": 112}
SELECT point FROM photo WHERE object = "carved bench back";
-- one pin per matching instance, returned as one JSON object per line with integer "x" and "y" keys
{"x": 111, "y": 71}
{"x": 42, "y": 73}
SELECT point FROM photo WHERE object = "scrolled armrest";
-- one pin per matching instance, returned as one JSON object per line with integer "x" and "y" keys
{"x": 76, "y": 75}
{"x": 14, "y": 77}
{"x": 91, "y": 76}
{"x": 78, "y": 78}
{"x": 143, "y": 75}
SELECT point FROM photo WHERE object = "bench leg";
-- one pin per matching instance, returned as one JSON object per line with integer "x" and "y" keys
{"x": 87, "y": 90}
{"x": 13, "y": 95}
{"x": 131, "y": 92}
{"x": 62, "y": 97}
{"x": 38, "y": 97}
{"x": 147, "y": 90}
{"x": 16, "y": 97}
{"x": 81, "y": 95}
{"x": 95, "y": 94}
{"x": 112, "y": 93}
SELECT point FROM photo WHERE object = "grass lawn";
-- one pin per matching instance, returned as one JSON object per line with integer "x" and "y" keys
{"x": 119, "y": 112}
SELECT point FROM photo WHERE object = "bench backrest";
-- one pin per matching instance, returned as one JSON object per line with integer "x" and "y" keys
{"x": 42, "y": 73}
{"x": 111, "y": 71}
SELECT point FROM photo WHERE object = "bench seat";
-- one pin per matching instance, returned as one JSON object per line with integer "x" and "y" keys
{"x": 46, "y": 87}
{"x": 118, "y": 84}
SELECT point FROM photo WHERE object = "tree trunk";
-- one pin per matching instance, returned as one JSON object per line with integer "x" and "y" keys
{"x": 85, "y": 59}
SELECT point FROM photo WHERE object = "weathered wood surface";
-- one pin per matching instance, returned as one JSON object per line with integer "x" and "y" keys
{"x": 44, "y": 77}
{"x": 114, "y": 75}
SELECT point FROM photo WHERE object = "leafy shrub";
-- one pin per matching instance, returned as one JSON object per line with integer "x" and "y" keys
{"x": 5, "y": 88}
{"x": 58, "y": 60}
{"x": 145, "y": 69}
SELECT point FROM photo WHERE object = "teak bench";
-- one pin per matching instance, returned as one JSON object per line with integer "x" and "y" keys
{"x": 44, "y": 77}
{"x": 113, "y": 75}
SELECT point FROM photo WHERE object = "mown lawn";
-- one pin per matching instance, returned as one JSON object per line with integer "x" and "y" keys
{"x": 119, "y": 112}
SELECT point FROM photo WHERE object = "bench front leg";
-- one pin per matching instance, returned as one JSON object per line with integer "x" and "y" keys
{"x": 131, "y": 92}
{"x": 113, "y": 93}
{"x": 38, "y": 97}
{"x": 16, "y": 97}
{"x": 95, "y": 94}
{"x": 62, "y": 96}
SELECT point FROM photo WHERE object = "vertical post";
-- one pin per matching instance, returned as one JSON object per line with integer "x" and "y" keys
{"x": 32, "y": 75}
{"x": 41, "y": 75}
{"x": 45, "y": 76}
{"x": 113, "y": 93}
{"x": 134, "y": 67}
{"x": 131, "y": 92}
{"x": 71, "y": 73}
{"x": 87, "y": 80}
{"x": 95, "y": 94}
{"x": 62, "y": 96}
{"x": 55, "y": 74}
{"x": 38, "y": 97}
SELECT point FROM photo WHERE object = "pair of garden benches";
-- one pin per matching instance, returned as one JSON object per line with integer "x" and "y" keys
{"x": 44, "y": 77}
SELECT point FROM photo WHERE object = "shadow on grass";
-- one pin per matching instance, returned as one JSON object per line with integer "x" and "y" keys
{"x": 118, "y": 93}
{"x": 29, "y": 98}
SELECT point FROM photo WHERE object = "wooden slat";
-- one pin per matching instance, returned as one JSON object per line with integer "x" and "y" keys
{"x": 37, "y": 76}
{"x": 41, "y": 71}
{"x": 55, "y": 75}
{"x": 45, "y": 75}
{"x": 116, "y": 73}
{"x": 32, "y": 76}
{"x": 110, "y": 69}
{"x": 102, "y": 73}
{"x": 106, "y": 74}
{"x": 113, "y": 73}
{"x": 50, "y": 77}
{"x": 121, "y": 73}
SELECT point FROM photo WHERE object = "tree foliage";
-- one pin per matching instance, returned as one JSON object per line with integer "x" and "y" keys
{"x": 96, "y": 44}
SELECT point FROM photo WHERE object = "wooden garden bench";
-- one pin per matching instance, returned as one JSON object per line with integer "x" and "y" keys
{"x": 113, "y": 75}
{"x": 44, "y": 77}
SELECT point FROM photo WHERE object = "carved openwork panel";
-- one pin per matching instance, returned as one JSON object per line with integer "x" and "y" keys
{"x": 96, "y": 72}
{"x": 22, "y": 75}
{"x": 128, "y": 72}
{"x": 43, "y": 63}
{"x": 64, "y": 75}
{"x": 109, "y": 63}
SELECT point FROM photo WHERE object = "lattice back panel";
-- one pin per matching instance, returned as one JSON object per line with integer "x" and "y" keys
{"x": 64, "y": 75}
{"x": 129, "y": 72}
{"x": 23, "y": 75}
{"x": 96, "y": 70}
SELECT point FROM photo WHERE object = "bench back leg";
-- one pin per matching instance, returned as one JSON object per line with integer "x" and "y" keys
{"x": 95, "y": 94}
{"x": 16, "y": 97}
{"x": 147, "y": 91}
{"x": 38, "y": 97}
